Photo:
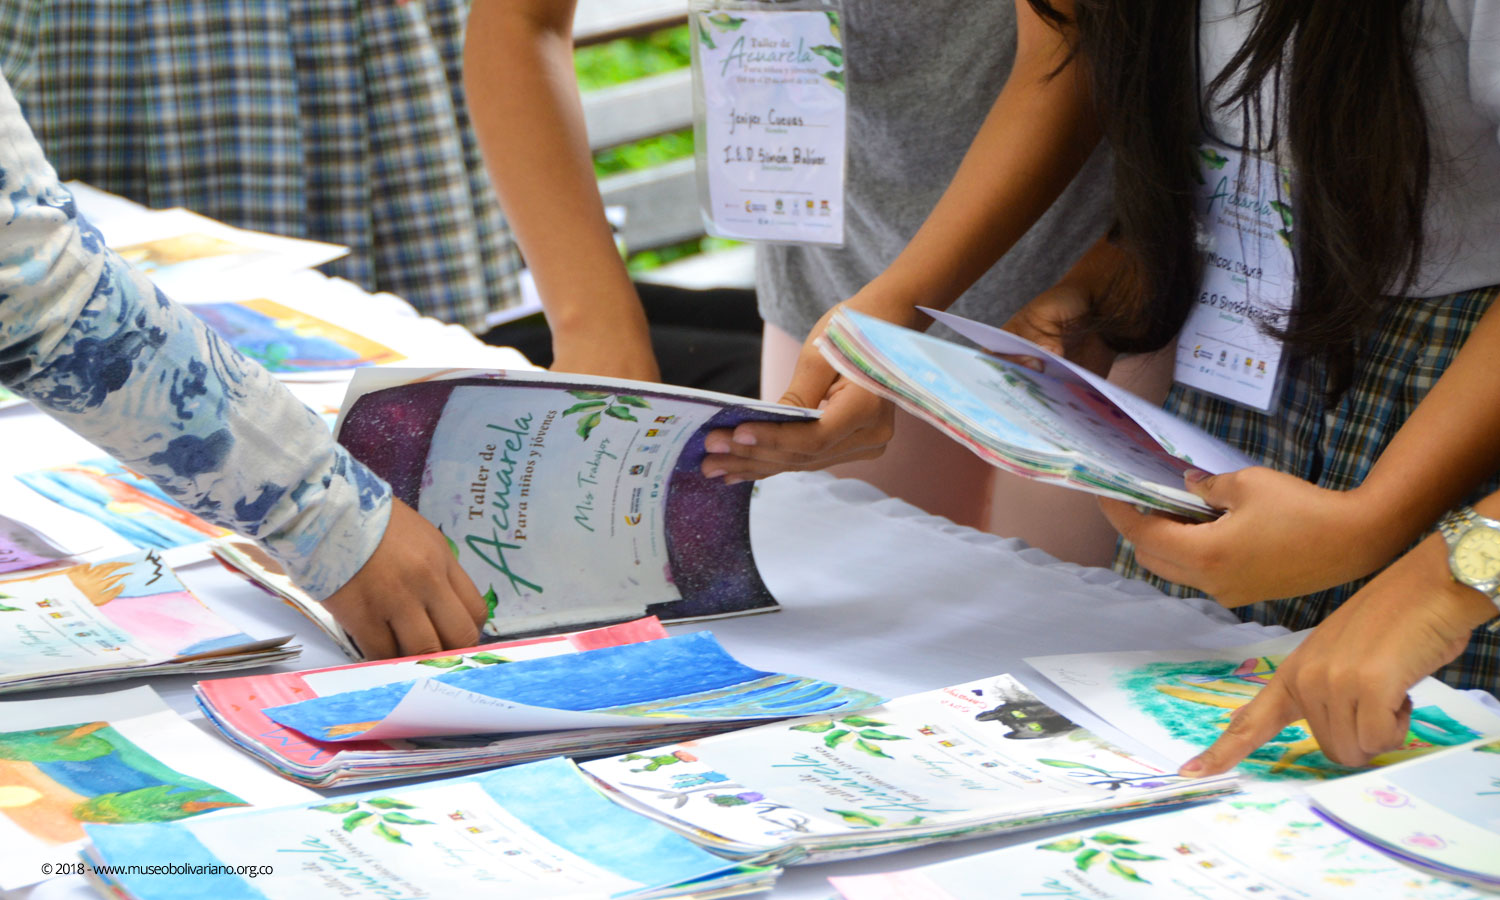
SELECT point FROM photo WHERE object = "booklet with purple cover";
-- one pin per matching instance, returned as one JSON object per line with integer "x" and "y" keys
{"x": 570, "y": 500}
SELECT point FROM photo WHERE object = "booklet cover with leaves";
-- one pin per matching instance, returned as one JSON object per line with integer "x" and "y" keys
{"x": 1440, "y": 812}
{"x": 117, "y": 619}
{"x": 533, "y": 831}
{"x": 964, "y": 761}
{"x": 1256, "y": 847}
{"x": 121, "y": 757}
{"x": 570, "y": 501}
{"x": 1048, "y": 420}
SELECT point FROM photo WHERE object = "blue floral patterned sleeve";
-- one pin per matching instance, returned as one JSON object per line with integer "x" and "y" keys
{"x": 95, "y": 345}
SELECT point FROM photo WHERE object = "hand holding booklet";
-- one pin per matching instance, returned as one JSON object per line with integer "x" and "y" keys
{"x": 1061, "y": 424}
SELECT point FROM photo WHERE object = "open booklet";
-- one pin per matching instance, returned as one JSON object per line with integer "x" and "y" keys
{"x": 588, "y": 694}
{"x": 117, "y": 757}
{"x": 1255, "y": 847}
{"x": 1055, "y": 422}
{"x": 1178, "y": 702}
{"x": 963, "y": 761}
{"x": 117, "y": 619}
{"x": 1439, "y": 812}
{"x": 569, "y": 500}
{"x": 534, "y": 831}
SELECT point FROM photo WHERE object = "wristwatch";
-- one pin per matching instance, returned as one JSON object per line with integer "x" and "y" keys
{"x": 1473, "y": 550}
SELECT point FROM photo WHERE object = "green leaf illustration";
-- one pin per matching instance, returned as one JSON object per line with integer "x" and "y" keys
{"x": 834, "y": 55}
{"x": 441, "y": 662}
{"x": 620, "y": 412}
{"x": 724, "y": 21}
{"x": 4, "y": 608}
{"x": 391, "y": 834}
{"x": 590, "y": 395}
{"x": 403, "y": 819}
{"x": 1212, "y": 157}
{"x": 833, "y": 24}
{"x": 1109, "y": 837}
{"x": 862, "y": 722}
{"x": 632, "y": 400}
{"x": 867, "y": 747}
{"x": 1064, "y": 845}
{"x": 355, "y": 819}
{"x": 389, "y": 803}
{"x": 1132, "y": 855}
{"x": 339, "y": 808}
{"x": 856, "y": 818}
{"x": 490, "y": 602}
{"x": 1284, "y": 211}
{"x": 706, "y": 38}
{"x": 914, "y": 820}
{"x": 461, "y": 669}
{"x": 580, "y": 407}
{"x": 487, "y": 658}
{"x": 815, "y": 727}
{"x": 874, "y": 734}
{"x": 834, "y": 738}
{"x": 1065, "y": 764}
{"x": 1085, "y": 859}
{"x": 587, "y": 425}
{"x": 1126, "y": 872}
{"x": 835, "y": 77}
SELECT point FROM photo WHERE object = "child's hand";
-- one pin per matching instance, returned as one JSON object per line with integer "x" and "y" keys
{"x": 1350, "y": 676}
{"x": 411, "y": 597}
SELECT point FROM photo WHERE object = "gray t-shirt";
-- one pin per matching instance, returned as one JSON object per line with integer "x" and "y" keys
{"x": 923, "y": 75}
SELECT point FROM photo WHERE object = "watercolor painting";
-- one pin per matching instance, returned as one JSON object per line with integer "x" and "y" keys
{"x": 139, "y": 596}
{"x": 673, "y": 679}
{"x": 162, "y": 254}
{"x": 286, "y": 340}
{"x": 1193, "y": 701}
{"x": 52, "y": 780}
{"x": 22, "y": 548}
{"x": 131, "y": 505}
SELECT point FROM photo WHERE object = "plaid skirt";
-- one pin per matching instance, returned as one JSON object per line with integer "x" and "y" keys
{"x": 336, "y": 120}
{"x": 1334, "y": 446}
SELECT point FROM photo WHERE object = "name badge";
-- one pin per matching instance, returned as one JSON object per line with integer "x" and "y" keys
{"x": 770, "y": 121}
{"x": 1245, "y": 224}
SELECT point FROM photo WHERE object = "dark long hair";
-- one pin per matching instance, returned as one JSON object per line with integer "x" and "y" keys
{"x": 1356, "y": 139}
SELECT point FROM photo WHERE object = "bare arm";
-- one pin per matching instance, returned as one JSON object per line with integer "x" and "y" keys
{"x": 523, "y": 98}
{"x": 1036, "y": 137}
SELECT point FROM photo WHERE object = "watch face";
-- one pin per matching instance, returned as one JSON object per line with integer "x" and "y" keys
{"x": 1476, "y": 556}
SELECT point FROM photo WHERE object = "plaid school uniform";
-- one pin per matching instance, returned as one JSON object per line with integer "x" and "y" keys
{"x": 336, "y": 120}
{"x": 1335, "y": 446}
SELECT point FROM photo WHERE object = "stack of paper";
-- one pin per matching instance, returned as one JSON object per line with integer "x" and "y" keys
{"x": 964, "y": 761}
{"x": 1440, "y": 812}
{"x": 117, "y": 619}
{"x": 590, "y": 693}
{"x": 1259, "y": 847}
{"x": 535, "y": 831}
{"x": 1179, "y": 702}
{"x": 1053, "y": 422}
{"x": 22, "y": 547}
{"x": 121, "y": 757}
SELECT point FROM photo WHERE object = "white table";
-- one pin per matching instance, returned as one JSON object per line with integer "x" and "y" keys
{"x": 875, "y": 594}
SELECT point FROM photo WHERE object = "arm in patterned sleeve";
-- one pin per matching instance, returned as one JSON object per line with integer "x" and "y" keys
{"x": 98, "y": 347}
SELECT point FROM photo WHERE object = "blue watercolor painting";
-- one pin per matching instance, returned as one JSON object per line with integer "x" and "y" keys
{"x": 130, "y": 505}
{"x": 286, "y": 340}
{"x": 668, "y": 680}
